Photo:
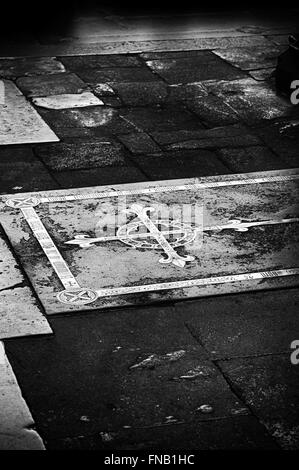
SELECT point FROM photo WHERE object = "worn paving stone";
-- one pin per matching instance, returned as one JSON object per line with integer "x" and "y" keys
{"x": 169, "y": 118}
{"x": 269, "y": 385}
{"x": 251, "y": 58}
{"x": 15, "y": 417}
{"x": 238, "y": 433}
{"x": 99, "y": 176}
{"x": 21, "y": 171}
{"x": 67, "y": 397}
{"x": 19, "y": 122}
{"x": 52, "y": 84}
{"x": 139, "y": 143}
{"x": 66, "y": 101}
{"x": 213, "y": 111}
{"x": 117, "y": 74}
{"x": 24, "y": 67}
{"x": 141, "y": 93}
{"x": 248, "y": 324}
{"x": 186, "y": 92}
{"x": 80, "y": 62}
{"x": 283, "y": 138}
{"x": 203, "y": 66}
{"x": 66, "y": 156}
{"x": 10, "y": 274}
{"x": 227, "y": 136}
{"x": 253, "y": 101}
{"x": 107, "y": 120}
{"x": 20, "y": 314}
{"x": 181, "y": 164}
{"x": 250, "y": 159}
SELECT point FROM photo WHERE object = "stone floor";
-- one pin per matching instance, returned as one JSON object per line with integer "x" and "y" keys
{"x": 122, "y": 99}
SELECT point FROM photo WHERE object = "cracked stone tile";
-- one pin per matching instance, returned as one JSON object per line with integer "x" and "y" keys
{"x": 248, "y": 58}
{"x": 52, "y": 84}
{"x": 20, "y": 315}
{"x": 19, "y": 122}
{"x": 10, "y": 274}
{"x": 253, "y": 101}
{"x": 15, "y": 417}
{"x": 65, "y": 101}
{"x": 24, "y": 66}
{"x": 269, "y": 385}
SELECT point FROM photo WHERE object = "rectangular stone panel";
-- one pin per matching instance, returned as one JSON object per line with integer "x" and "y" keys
{"x": 19, "y": 122}
{"x": 99, "y": 247}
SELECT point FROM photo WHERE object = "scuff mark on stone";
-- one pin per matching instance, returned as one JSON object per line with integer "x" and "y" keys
{"x": 155, "y": 360}
{"x": 198, "y": 371}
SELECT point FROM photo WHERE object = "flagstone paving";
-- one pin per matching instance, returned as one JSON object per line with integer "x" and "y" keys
{"x": 119, "y": 106}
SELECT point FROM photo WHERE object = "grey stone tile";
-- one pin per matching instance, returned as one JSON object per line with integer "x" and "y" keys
{"x": 213, "y": 111}
{"x": 141, "y": 93}
{"x": 219, "y": 137}
{"x": 251, "y": 58}
{"x": 139, "y": 143}
{"x": 53, "y": 84}
{"x": 203, "y": 66}
{"x": 248, "y": 324}
{"x": 15, "y": 417}
{"x": 102, "y": 176}
{"x": 21, "y": 171}
{"x": 66, "y": 156}
{"x": 23, "y": 66}
{"x": 181, "y": 164}
{"x": 253, "y": 101}
{"x": 88, "y": 347}
{"x": 269, "y": 385}
{"x": 67, "y": 101}
{"x": 103, "y": 119}
{"x": 19, "y": 122}
{"x": 20, "y": 315}
{"x": 250, "y": 159}
{"x": 10, "y": 274}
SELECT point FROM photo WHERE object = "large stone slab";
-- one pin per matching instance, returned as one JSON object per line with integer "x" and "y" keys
{"x": 100, "y": 247}
{"x": 19, "y": 122}
{"x": 15, "y": 418}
